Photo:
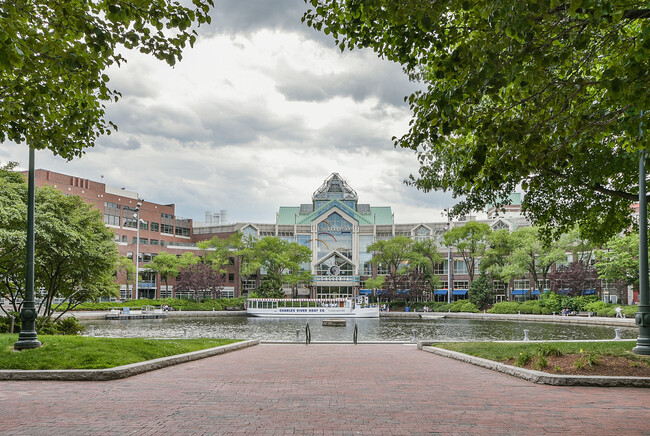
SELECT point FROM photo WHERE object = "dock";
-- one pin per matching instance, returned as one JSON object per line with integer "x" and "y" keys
{"x": 126, "y": 313}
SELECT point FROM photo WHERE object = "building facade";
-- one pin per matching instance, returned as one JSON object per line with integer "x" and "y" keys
{"x": 334, "y": 225}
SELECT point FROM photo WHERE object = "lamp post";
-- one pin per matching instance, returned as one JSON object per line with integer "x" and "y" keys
{"x": 642, "y": 317}
{"x": 449, "y": 287}
{"x": 28, "y": 338}
{"x": 137, "y": 245}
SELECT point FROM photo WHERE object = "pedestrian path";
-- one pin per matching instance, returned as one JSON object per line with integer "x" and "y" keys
{"x": 320, "y": 389}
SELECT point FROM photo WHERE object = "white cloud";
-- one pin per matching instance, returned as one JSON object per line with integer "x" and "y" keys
{"x": 254, "y": 119}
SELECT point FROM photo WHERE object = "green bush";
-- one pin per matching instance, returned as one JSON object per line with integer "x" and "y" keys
{"x": 505, "y": 307}
{"x": 546, "y": 311}
{"x": 530, "y": 306}
{"x": 457, "y": 306}
{"x": 596, "y": 306}
{"x": 469, "y": 307}
{"x": 628, "y": 311}
{"x": 607, "y": 311}
{"x": 441, "y": 307}
{"x": 69, "y": 326}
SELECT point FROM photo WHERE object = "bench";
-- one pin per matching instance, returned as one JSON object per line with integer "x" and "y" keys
{"x": 583, "y": 313}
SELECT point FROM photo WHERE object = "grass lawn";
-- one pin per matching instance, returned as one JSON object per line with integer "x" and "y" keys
{"x": 500, "y": 352}
{"x": 79, "y": 352}
{"x": 577, "y": 358}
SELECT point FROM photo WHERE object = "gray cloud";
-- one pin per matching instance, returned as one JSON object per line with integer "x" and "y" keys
{"x": 387, "y": 82}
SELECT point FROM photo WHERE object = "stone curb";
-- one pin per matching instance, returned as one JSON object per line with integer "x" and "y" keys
{"x": 593, "y": 320}
{"x": 539, "y": 376}
{"x": 120, "y": 371}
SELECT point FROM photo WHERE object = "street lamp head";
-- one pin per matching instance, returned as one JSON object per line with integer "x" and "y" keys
{"x": 139, "y": 204}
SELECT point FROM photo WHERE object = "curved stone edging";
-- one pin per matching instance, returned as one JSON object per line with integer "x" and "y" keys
{"x": 120, "y": 371}
{"x": 593, "y": 320}
{"x": 539, "y": 376}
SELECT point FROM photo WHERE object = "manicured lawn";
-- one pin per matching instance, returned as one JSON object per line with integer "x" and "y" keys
{"x": 501, "y": 352}
{"x": 78, "y": 352}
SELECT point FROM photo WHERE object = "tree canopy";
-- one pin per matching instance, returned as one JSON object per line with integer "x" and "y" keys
{"x": 549, "y": 95}
{"x": 54, "y": 56}
{"x": 279, "y": 260}
{"x": 471, "y": 242}
{"x": 76, "y": 257}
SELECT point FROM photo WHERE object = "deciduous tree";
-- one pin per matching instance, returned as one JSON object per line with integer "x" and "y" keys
{"x": 54, "y": 58}
{"x": 76, "y": 257}
{"x": 545, "y": 94}
{"x": 471, "y": 242}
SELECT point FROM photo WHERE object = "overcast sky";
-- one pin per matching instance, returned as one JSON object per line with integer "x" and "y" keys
{"x": 255, "y": 117}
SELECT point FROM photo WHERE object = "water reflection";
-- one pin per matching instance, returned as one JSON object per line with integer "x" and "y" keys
{"x": 382, "y": 329}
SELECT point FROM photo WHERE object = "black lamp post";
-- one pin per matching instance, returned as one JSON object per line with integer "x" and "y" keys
{"x": 642, "y": 317}
{"x": 28, "y": 338}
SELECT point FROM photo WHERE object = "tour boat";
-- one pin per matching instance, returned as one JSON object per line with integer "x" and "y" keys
{"x": 311, "y": 308}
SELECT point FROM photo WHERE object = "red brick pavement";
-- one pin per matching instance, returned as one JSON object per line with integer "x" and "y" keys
{"x": 320, "y": 389}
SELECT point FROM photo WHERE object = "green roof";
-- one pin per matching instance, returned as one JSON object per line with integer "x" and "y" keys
{"x": 377, "y": 215}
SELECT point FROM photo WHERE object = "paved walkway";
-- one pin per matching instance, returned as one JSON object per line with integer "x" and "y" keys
{"x": 320, "y": 389}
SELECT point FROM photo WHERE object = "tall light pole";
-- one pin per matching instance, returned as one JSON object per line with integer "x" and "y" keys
{"x": 28, "y": 338}
{"x": 449, "y": 286}
{"x": 642, "y": 317}
{"x": 137, "y": 245}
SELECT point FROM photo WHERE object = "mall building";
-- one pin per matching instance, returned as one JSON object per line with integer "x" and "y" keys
{"x": 338, "y": 229}
{"x": 335, "y": 225}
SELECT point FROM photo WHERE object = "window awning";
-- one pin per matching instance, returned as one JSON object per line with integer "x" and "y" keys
{"x": 519, "y": 292}
{"x": 440, "y": 292}
{"x": 535, "y": 292}
{"x": 459, "y": 292}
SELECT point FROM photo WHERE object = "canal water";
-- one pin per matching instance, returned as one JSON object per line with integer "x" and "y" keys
{"x": 369, "y": 329}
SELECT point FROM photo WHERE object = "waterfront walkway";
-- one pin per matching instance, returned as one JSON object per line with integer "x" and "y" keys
{"x": 320, "y": 389}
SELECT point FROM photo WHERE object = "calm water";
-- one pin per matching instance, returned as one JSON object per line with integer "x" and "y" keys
{"x": 382, "y": 329}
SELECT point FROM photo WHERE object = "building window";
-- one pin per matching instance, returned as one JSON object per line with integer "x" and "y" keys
{"x": 129, "y": 222}
{"x": 153, "y": 241}
{"x": 382, "y": 270}
{"x": 166, "y": 228}
{"x": 231, "y": 278}
{"x": 461, "y": 284}
{"x": 124, "y": 238}
{"x": 144, "y": 225}
{"x": 166, "y": 215}
{"x": 155, "y": 227}
{"x": 112, "y": 220}
{"x": 144, "y": 241}
{"x": 460, "y": 267}
{"x": 182, "y": 231}
{"x": 522, "y": 284}
{"x": 440, "y": 268}
{"x": 111, "y": 205}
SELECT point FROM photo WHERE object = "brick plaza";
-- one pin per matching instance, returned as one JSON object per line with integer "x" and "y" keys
{"x": 274, "y": 389}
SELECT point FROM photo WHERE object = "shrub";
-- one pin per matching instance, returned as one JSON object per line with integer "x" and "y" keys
{"x": 541, "y": 362}
{"x": 69, "y": 326}
{"x": 505, "y": 307}
{"x": 522, "y": 359}
{"x": 629, "y": 311}
{"x": 546, "y": 311}
{"x": 608, "y": 311}
{"x": 469, "y": 307}
{"x": 596, "y": 306}
{"x": 441, "y": 307}
{"x": 548, "y": 350}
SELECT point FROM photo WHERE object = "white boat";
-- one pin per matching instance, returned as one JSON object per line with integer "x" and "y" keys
{"x": 311, "y": 308}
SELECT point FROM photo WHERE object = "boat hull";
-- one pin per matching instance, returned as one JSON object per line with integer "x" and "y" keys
{"x": 315, "y": 312}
